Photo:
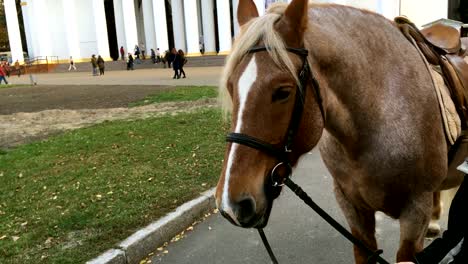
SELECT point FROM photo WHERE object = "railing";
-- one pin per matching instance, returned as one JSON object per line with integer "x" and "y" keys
{"x": 40, "y": 64}
{"x": 42, "y": 60}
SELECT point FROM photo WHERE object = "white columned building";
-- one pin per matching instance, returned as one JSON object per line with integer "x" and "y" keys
{"x": 209, "y": 37}
{"x": 224, "y": 26}
{"x": 160, "y": 25}
{"x": 148, "y": 22}
{"x": 191, "y": 28}
{"x": 78, "y": 28}
{"x": 14, "y": 36}
{"x": 71, "y": 28}
{"x": 130, "y": 28}
{"x": 178, "y": 24}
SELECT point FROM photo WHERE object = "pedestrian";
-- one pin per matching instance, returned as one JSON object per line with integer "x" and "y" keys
{"x": 153, "y": 56}
{"x": 137, "y": 52}
{"x": 130, "y": 62}
{"x": 18, "y": 68}
{"x": 72, "y": 64}
{"x": 143, "y": 50}
{"x": 202, "y": 47}
{"x": 452, "y": 247}
{"x": 94, "y": 64}
{"x": 158, "y": 56}
{"x": 176, "y": 64}
{"x": 171, "y": 56}
{"x": 3, "y": 73}
{"x": 122, "y": 53}
{"x": 183, "y": 61}
{"x": 100, "y": 62}
{"x": 7, "y": 67}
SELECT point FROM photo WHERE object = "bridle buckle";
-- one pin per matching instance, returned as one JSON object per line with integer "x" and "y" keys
{"x": 275, "y": 181}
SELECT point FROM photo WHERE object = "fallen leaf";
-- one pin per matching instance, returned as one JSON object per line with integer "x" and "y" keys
{"x": 165, "y": 251}
{"x": 15, "y": 238}
{"x": 3, "y": 237}
{"x": 160, "y": 248}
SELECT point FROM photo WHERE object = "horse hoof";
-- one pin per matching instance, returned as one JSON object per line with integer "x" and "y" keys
{"x": 433, "y": 229}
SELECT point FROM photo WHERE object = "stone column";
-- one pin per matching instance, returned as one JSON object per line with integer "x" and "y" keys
{"x": 71, "y": 28}
{"x": 160, "y": 25}
{"x": 224, "y": 26}
{"x": 41, "y": 24}
{"x": 102, "y": 41}
{"x": 120, "y": 26}
{"x": 28, "y": 27}
{"x": 131, "y": 35}
{"x": 208, "y": 27}
{"x": 235, "y": 5}
{"x": 191, "y": 27}
{"x": 14, "y": 36}
{"x": 260, "y": 6}
{"x": 148, "y": 22}
{"x": 178, "y": 24}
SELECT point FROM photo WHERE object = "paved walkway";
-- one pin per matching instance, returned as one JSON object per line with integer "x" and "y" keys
{"x": 296, "y": 233}
{"x": 195, "y": 76}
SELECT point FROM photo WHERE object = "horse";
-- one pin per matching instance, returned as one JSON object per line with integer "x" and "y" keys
{"x": 370, "y": 107}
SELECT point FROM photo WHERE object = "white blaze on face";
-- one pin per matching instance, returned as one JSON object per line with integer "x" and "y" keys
{"x": 245, "y": 84}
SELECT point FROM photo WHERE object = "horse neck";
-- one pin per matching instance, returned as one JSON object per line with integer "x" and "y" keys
{"x": 358, "y": 63}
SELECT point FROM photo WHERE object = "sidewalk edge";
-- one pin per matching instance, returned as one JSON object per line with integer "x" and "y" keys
{"x": 137, "y": 246}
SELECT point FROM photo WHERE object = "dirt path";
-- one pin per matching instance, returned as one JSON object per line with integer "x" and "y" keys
{"x": 39, "y": 98}
{"x": 31, "y": 113}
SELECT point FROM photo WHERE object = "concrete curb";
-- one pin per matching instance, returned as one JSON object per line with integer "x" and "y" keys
{"x": 136, "y": 247}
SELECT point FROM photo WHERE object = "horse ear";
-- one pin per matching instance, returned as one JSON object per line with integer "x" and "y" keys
{"x": 294, "y": 21}
{"x": 246, "y": 11}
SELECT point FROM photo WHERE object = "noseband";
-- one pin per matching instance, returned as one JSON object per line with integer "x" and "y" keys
{"x": 283, "y": 153}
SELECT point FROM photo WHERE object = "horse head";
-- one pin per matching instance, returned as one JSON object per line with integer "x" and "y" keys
{"x": 263, "y": 82}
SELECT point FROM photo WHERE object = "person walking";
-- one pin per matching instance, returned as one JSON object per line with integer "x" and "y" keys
{"x": 143, "y": 50}
{"x": 100, "y": 62}
{"x": 176, "y": 64}
{"x": 122, "y": 53}
{"x": 94, "y": 64}
{"x": 158, "y": 56}
{"x": 18, "y": 68}
{"x": 183, "y": 61}
{"x": 3, "y": 73}
{"x": 153, "y": 56}
{"x": 7, "y": 67}
{"x": 72, "y": 64}
{"x": 130, "y": 62}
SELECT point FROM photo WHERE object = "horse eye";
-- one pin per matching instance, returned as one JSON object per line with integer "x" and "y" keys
{"x": 281, "y": 94}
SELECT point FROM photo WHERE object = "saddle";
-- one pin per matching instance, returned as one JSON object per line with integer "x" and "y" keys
{"x": 445, "y": 50}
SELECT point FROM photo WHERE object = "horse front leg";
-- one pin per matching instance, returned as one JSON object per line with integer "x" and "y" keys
{"x": 414, "y": 221}
{"x": 362, "y": 224}
{"x": 434, "y": 227}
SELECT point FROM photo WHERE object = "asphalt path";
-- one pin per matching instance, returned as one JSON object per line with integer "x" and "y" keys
{"x": 296, "y": 233}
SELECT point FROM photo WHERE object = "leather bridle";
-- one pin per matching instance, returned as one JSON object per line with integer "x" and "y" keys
{"x": 275, "y": 181}
{"x": 283, "y": 153}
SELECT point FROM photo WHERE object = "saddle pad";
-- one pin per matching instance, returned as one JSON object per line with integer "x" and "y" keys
{"x": 452, "y": 122}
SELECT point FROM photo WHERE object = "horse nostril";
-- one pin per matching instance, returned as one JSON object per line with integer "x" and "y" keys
{"x": 245, "y": 210}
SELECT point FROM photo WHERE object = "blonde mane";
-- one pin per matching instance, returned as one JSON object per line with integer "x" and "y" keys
{"x": 256, "y": 30}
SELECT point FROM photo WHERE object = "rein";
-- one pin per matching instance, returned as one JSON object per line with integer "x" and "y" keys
{"x": 275, "y": 182}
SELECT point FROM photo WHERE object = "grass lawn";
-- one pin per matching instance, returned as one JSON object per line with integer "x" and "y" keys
{"x": 70, "y": 198}
{"x": 3, "y": 86}
{"x": 181, "y": 93}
